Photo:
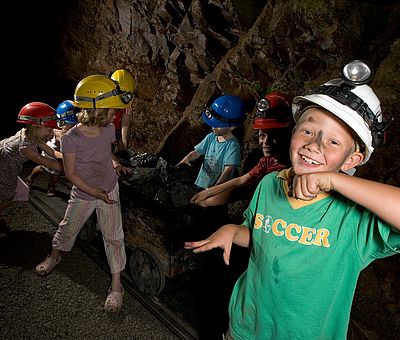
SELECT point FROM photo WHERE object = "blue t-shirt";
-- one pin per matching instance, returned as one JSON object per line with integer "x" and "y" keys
{"x": 217, "y": 155}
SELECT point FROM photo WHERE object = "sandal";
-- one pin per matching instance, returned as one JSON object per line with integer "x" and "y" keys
{"x": 113, "y": 303}
{"x": 46, "y": 267}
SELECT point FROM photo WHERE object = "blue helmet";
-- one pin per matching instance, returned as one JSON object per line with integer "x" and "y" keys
{"x": 65, "y": 113}
{"x": 225, "y": 111}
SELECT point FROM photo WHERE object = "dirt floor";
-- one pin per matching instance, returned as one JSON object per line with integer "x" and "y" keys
{"x": 68, "y": 304}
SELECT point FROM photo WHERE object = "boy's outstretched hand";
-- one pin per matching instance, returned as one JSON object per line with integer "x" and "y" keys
{"x": 222, "y": 238}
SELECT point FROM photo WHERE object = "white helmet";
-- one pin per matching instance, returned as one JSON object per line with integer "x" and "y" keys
{"x": 356, "y": 105}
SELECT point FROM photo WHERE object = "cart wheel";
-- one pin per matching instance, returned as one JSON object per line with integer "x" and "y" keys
{"x": 146, "y": 272}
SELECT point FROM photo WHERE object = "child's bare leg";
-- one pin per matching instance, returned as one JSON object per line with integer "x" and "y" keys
{"x": 51, "y": 188}
{"x": 114, "y": 298}
{"x": 36, "y": 171}
{"x": 116, "y": 282}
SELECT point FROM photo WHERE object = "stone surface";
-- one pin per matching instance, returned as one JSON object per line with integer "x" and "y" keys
{"x": 68, "y": 304}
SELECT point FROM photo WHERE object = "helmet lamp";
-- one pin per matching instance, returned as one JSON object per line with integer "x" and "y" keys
{"x": 357, "y": 73}
{"x": 209, "y": 112}
{"x": 263, "y": 105}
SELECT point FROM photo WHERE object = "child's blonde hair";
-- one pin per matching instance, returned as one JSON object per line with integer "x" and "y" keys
{"x": 32, "y": 132}
{"x": 97, "y": 117}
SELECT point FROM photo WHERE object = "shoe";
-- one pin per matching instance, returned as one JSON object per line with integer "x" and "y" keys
{"x": 46, "y": 267}
{"x": 113, "y": 303}
{"x": 51, "y": 190}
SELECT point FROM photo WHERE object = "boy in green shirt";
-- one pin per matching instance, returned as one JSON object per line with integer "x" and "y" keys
{"x": 313, "y": 228}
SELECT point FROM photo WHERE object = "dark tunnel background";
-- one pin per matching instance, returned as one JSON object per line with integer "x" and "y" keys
{"x": 29, "y": 32}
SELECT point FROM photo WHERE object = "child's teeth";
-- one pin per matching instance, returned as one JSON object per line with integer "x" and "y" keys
{"x": 310, "y": 161}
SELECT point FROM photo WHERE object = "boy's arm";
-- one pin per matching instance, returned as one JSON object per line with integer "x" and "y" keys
{"x": 381, "y": 199}
{"x": 218, "y": 189}
{"x": 191, "y": 156}
{"x": 223, "y": 238}
{"x": 125, "y": 127}
{"x": 226, "y": 174}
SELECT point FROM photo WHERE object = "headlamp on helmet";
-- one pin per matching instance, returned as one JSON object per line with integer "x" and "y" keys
{"x": 125, "y": 84}
{"x": 225, "y": 111}
{"x": 65, "y": 113}
{"x": 273, "y": 111}
{"x": 39, "y": 114}
{"x": 357, "y": 72}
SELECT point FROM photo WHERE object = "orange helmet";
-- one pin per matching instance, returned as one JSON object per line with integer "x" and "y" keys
{"x": 39, "y": 114}
{"x": 274, "y": 112}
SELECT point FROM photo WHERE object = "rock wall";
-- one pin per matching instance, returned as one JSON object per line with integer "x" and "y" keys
{"x": 185, "y": 53}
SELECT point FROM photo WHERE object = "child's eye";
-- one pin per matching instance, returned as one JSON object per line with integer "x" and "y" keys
{"x": 334, "y": 142}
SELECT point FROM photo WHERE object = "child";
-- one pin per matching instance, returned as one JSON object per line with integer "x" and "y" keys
{"x": 66, "y": 118}
{"x": 308, "y": 250}
{"x": 274, "y": 123}
{"x": 220, "y": 148}
{"x": 93, "y": 170}
{"x": 221, "y": 151}
{"x": 39, "y": 120}
{"x": 121, "y": 121}
{"x": 122, "y": 125}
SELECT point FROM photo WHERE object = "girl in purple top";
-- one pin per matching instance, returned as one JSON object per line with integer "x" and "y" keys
{"x": 93, "y": 170}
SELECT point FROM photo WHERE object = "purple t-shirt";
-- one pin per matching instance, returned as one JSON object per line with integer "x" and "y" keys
{"x": 93, "y": 159}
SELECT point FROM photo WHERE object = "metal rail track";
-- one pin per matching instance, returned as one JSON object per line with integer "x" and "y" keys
{"x": 54, "y": 209}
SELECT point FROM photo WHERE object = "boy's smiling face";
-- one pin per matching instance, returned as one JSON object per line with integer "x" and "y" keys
{"x": 322, "y": 142}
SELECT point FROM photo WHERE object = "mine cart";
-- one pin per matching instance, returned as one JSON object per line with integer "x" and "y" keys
{"x": 157, "y": 219}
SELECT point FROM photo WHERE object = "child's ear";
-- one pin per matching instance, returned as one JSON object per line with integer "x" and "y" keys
{"x": 352, "y": 161}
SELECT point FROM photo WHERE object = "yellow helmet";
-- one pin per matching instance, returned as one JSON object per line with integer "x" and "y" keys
{"x": 126, "y": 84}
{"x": 98, "y": 91}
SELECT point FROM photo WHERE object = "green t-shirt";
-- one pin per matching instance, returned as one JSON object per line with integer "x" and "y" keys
{"x": 304, "y": 264}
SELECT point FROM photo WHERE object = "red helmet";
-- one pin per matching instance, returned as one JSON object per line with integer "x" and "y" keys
{"x": 39, "y": 114}
{"x": 273, "y": 112}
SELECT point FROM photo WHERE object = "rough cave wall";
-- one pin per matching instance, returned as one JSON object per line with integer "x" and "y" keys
{"x": 185, "y": 53}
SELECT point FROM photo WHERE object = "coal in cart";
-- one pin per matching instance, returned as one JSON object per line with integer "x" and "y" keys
{"x": 157, "y": 218}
